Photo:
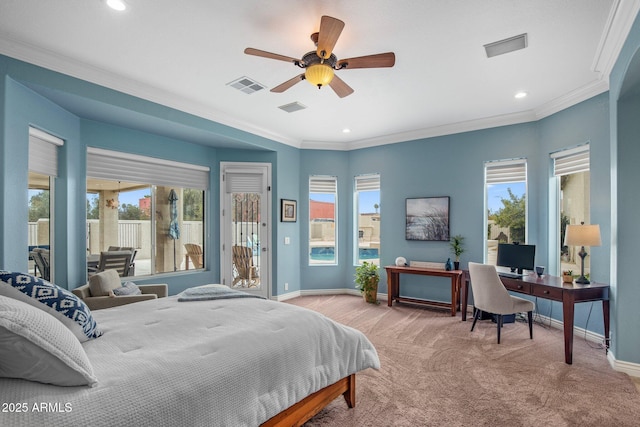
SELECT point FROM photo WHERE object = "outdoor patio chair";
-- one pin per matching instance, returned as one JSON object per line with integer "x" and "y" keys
{"x": 194, "y": 253}
{"x": 113, "y": 260}
{"x": 131, "y": 270}
{"x": 41, "y": 258}
{"x": 244, "y": 270}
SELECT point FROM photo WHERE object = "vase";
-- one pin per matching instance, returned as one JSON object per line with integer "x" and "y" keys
{"x": 567, "y": 278}
{"x": 456, "y": 265}
{"x": 448, "y": 265}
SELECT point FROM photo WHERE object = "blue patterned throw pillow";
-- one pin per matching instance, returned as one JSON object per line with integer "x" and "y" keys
{"x": 60, "y": 303}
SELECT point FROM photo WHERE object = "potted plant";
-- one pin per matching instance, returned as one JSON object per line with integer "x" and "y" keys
{"x": 456, "y": 243}
{"x": 567, "y": 276}
{"x": 367, "y": 279}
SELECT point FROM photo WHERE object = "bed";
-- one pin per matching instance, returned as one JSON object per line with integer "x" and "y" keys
{"x": 221, "y": 362}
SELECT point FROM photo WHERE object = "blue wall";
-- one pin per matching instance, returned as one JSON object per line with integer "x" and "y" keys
{"x": 453, "y": 166}
{"x": 625, "y": 157}
{"x": 332, "y": 163}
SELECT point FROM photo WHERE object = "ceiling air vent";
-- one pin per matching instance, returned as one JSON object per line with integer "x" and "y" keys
{"x": 294, "y": 106}
{"x": 246, "y": 85}
{"x": 506, "y": 45}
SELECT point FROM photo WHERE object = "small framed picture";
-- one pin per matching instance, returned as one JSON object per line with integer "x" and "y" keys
{"x": 288, "y": 210}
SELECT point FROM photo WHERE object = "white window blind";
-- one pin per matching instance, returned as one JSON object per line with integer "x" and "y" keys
{"x": 43, "y": 152}
{"x": 367, "y": 182}
{"x": 573, "y": 160}
{"x": 241, "y": 181}
{"x": 323, "y": 184}
{"x": 118, "y": 166}
{"x": 504, "y": 171}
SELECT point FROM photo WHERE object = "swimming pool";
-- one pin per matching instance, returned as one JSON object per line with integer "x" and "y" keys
{"x": 327, "y": 253}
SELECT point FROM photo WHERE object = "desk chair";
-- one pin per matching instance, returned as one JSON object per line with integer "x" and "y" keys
{"x": 490, "y": 296}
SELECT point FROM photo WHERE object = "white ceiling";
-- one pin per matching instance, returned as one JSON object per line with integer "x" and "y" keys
{"x": 182, "y": 54}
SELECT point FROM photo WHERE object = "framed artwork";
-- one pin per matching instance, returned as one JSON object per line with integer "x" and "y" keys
{"x": 427, "y": 219}
{"x": 288, "y": 210}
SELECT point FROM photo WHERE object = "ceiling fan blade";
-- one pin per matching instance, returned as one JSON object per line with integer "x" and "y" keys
{"x": 265, "y": 54}
{"x": 286, "y": 85}
{"x": 330, "y": 29}
{"x": 379, "y": 60}
{"x": 340, "y": 87}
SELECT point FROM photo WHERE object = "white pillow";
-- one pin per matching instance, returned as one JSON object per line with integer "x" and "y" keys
{"x": 60, "y": 303}
{"x": 36, "y": 346}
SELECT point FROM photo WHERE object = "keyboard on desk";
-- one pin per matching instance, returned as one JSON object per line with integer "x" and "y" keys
{"x": 510, "y": 275}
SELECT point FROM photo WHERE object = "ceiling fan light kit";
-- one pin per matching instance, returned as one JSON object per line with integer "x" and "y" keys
{"x": 320, "y": 65}
{"x": 319, "y": 74}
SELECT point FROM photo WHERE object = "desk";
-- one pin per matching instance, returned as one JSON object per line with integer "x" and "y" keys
{"x": 393, "y": 285}
{"x": 552, "y": 288}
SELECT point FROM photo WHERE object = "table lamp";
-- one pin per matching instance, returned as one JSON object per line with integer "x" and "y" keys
{"x": 582, "y": 235}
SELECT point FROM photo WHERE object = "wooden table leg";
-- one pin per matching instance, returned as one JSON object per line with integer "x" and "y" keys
{"x": 390, "y": 288}
{"x": 605, "y": 315}
{"x": 567, "y": 318}
{"x": 458, "y": 290}
{"x": 454, "y": 295}
{"x": 464, "y": 286}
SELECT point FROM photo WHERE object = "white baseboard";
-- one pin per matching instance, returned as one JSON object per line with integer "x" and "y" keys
{"x": 631, "y": 369}
{"x": 318, "y": 292}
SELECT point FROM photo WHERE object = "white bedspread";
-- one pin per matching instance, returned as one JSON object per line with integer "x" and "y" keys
{"x": 231, "y": 362}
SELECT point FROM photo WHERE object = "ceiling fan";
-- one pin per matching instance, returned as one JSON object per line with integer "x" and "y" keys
{"x": 321, "y": 63}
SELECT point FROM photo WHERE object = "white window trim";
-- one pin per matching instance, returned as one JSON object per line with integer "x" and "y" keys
{"x": 366, "y": 182}
{"x": 511, "y": 170}
{"x": 323, "y": 189}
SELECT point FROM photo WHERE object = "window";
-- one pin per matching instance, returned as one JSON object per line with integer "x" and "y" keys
{"x": 506, "y": 204}
{"x": 571, "y": 171}
{"x": 43, "y": 168}
{"x": 367, "y": 218}
{"x": 323, "y": 196}
{"x": 150, "y": 206}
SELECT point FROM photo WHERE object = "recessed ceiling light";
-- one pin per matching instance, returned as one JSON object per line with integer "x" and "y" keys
{"x": 346, "y": 130}
{"x": 118, "y": 5}
{"x": 521, "y": 95}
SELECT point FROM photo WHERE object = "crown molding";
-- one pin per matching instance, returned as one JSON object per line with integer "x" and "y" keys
{"x": 619, "y": 22}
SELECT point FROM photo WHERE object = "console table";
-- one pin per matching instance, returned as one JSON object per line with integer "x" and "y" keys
{"x": 393, "y": 285}
{"x": 552, "y": 288}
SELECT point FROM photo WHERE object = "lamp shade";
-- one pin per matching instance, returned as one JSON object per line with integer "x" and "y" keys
{"x": 319, "y": 74}
{"x": 582, "y": 235}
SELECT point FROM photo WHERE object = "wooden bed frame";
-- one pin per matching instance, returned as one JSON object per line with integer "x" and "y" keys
{"x": 302, "y": 411}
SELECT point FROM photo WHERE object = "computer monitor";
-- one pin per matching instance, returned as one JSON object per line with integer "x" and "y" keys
{"x": 516, "y": 257}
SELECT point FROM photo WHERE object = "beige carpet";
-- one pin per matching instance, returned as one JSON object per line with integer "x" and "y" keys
{"x": 436, "y": 372}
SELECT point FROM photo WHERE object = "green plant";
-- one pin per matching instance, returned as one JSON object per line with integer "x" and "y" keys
{"x": 456, "y": 244}
{"x": 367, "y": 277}
{"x": 567, "y": 273}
